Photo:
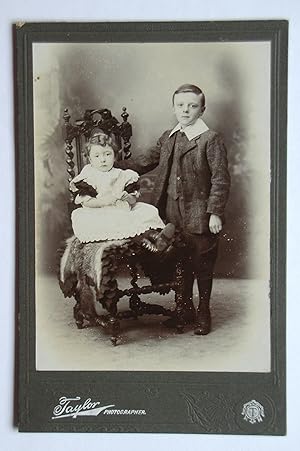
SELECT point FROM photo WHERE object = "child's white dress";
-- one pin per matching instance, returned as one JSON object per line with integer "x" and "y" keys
{"x": 112, "y": 222}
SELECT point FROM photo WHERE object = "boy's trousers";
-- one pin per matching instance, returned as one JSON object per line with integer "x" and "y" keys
{"x": 202, "y": 251}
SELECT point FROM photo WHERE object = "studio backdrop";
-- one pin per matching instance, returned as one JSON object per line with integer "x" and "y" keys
{"x": 235, "y": 78}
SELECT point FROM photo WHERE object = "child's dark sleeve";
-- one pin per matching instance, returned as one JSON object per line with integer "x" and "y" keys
{"x": 84, "y": 189}
{"x": 132, "y": 187}
{"x": 220, "y": 178}
{"x": 147, "y": 160}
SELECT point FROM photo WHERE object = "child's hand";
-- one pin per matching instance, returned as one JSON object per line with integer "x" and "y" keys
{"x": 130, "y": 198}
{"x": 107, "y": 199}
{"x": 215, "y": 224}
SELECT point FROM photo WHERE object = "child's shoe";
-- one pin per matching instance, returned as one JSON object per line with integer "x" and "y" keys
{"x": 161, "y": 241}
{"x": 165, "y": 237}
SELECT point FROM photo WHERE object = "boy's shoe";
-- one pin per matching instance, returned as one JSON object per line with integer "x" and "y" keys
{"x": 187, "y": 317}
{"x": 203, "y": 323}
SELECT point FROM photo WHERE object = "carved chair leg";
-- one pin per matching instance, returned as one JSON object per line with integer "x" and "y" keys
{"x": 113, "y": 321}
{"x": 179, "y": 296}
{"x": 78, "y": 316}
{"x": 114, "y": 325}
{"x": 84, "y": 311}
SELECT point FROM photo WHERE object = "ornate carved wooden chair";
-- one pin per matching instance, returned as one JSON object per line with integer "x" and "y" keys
{"x": 89, "y": 271}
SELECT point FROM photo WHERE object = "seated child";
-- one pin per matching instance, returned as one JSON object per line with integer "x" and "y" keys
{"x": 109, "y": 211}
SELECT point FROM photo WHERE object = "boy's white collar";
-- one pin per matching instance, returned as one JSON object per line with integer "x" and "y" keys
{"x": 191, "y": 131}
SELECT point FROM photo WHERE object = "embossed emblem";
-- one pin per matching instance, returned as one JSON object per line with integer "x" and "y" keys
{"x": 253, "y": 412}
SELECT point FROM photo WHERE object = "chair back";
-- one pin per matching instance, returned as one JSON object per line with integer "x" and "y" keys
{"x": 78, "y": 133}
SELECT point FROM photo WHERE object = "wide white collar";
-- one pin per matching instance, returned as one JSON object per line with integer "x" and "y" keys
{"x": 191, "y": 131}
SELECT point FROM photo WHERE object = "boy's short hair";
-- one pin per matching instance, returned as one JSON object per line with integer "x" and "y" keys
{"x": 190, "y": 88}
{"x": 100, "y": 138}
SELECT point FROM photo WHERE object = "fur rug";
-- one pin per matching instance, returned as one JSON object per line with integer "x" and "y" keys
{"x": 83, "y": 262}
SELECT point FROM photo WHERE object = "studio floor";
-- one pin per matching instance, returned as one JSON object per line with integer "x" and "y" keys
{"x": 239, "y": 340}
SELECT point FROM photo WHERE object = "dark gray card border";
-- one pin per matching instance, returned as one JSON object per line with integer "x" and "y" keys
{"x": 171, "y": 399}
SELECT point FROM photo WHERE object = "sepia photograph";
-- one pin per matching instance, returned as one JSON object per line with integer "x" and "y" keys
{"x": 151, "y": 161}
{"x": 174, "y": 139}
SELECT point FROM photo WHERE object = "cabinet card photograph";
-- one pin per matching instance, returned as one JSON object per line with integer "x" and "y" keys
{"x": 151, "y": 165}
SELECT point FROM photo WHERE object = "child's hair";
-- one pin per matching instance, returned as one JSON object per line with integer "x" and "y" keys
{"x": 190, "y": 88}
{"x": 98, "y": 137}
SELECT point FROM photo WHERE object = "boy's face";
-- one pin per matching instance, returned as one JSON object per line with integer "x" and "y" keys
{"x": 102, "y": 158}
{"x": 187, "y": 107}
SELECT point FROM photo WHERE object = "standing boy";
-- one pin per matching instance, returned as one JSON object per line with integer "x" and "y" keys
{"x": 191, "y": 191}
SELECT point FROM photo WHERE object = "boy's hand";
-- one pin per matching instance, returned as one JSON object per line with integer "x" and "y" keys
{"x": 215, "y": 224}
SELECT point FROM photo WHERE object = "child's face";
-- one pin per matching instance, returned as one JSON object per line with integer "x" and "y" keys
{"x": 187, "y": 107}
{"x": 102, "y": 158}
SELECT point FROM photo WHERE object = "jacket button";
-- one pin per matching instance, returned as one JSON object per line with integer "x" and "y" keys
{"x": 178, "y": 178}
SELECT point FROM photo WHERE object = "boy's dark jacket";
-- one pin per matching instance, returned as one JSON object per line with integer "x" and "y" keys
{"x": 204, "y": 174}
